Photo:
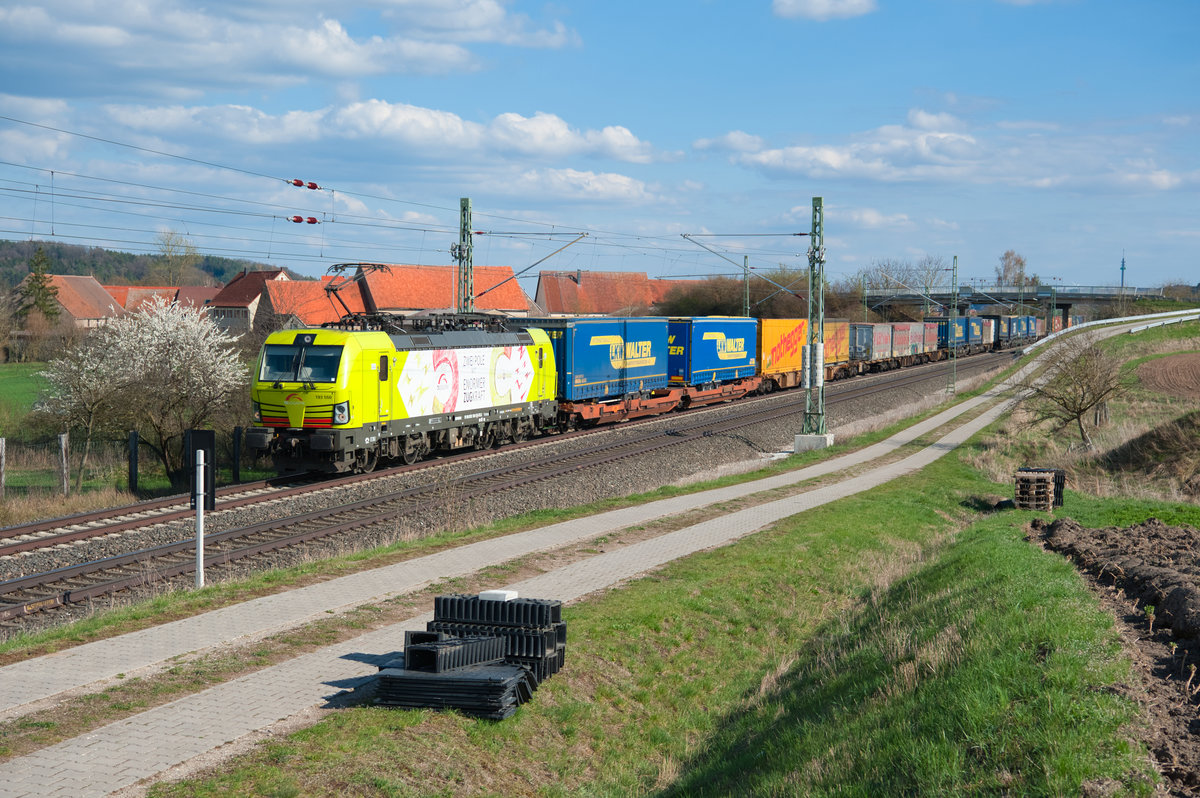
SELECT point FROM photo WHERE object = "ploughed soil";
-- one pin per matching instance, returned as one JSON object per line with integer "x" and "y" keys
{"x": 1149, "y": 577}
{"x": 1175, "y": 375}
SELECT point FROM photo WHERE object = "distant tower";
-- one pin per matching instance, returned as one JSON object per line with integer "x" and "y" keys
{"x": 1122, "y": 269}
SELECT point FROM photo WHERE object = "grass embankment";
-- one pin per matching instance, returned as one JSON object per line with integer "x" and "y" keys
{"x": 891, "y": 644}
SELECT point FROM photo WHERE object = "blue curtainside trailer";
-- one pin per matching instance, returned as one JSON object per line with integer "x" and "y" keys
{"x": 602, "y": 357}
{"x": 706, "y": 350}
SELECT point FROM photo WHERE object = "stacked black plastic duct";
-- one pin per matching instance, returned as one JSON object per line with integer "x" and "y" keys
{"x": 487, "y": 691}
{"x": 481, "y": 656}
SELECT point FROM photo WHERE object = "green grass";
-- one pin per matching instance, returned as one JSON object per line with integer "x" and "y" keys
{"x": 884, "y": 645}
{"x": 19, "y": 389}
{"x": 20, "y": 385}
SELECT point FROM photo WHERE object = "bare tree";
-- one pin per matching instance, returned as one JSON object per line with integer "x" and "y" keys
{"x": 719, "y": 296}
{"x": 1080, "y": 377}
{"x": 177, "y": 260}
{"x": 932, "y": 272}
{"x": 1011, "y": 269}
{"x": 884, "y": 274}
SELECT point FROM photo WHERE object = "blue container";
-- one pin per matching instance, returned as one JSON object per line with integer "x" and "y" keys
{"x": 712, "y": 349}
{"x": 604, "y": 357}
{"x": 974, "y": 330}
{"x": 947, "y": 338}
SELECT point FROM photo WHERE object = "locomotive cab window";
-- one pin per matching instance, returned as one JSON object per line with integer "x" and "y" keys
{"x": 300, "y": 363}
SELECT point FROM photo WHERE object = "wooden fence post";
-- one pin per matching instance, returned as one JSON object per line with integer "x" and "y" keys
{"x": 133, "y": 461}
{"x": 237, "y": 455}
{"x": 1, "y": 468}
{"x": 64, "y": 471}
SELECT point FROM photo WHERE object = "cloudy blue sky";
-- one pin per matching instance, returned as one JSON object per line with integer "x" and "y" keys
{"x": 1066, "y": 130}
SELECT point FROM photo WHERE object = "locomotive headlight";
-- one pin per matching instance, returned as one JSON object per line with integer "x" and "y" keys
{"x": 341, "y": 413}
{"x": 257, "y": 411}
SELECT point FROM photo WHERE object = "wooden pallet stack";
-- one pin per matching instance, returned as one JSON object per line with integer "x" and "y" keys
{"x": 1039, "y": 489}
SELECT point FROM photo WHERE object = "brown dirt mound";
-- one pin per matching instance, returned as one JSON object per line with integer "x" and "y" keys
{"x": 1150, "y": 565}
{"x": 1176, "y": 375}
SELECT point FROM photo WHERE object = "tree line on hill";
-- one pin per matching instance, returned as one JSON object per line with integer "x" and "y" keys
{"x": 176, "y": 263}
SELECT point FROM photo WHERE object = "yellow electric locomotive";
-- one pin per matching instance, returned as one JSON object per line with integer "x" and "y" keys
{"x": 340, "y": 400}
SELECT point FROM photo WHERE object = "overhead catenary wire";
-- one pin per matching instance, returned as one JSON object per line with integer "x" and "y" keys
{"x": 607, "y": 244}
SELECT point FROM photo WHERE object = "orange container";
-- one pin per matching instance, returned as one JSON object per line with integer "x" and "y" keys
{"x": 837, "y": 341}
{"x": 781, "y": 344}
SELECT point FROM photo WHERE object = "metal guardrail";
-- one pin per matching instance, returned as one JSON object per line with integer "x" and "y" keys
{"x": 1029, "y": 293}
{"x": 1195, "y": 317}
{"x": 1166, "y": 318}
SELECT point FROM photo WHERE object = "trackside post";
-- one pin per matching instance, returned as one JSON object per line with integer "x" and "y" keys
{"x": 199, "y": 498}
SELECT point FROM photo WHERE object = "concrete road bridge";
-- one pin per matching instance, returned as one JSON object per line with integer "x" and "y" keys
{"x": 1026, "y": 300}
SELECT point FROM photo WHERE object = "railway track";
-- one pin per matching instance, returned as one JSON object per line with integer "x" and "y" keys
{"x": 84, "y": 581}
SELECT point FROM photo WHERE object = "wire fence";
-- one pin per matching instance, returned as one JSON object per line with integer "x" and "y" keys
{"x": 56, "y": 465}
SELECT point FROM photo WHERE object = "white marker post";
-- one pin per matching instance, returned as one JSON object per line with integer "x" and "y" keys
{"x": 199, "y": 518}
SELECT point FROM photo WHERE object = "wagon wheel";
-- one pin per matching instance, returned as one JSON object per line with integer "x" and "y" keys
{"x": 520, "y": 431}
{"x": 368, "y": 459}
{"x": 487, "y": 438}
{"x": 412, "y": 449}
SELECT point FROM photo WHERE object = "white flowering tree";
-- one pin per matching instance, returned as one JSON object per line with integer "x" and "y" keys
{"x": 83, "y": 390}
{"x": 160, "y": 370}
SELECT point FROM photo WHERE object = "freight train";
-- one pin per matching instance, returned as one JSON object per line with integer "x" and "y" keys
{"x": 344, "y": 397}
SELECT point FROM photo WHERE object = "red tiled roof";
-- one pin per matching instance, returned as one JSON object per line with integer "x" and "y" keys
{"x": 84, "y": 297}
{"x": 581, "y": 292}
{"x": 139, "y": 295}
{"x": 195, "y": 296}
{"x": 118, "y": 292}
{"x": 406, "y": 288}
{"x": 242, "y": 290}
{"x": 308, "y": 301}
{"x": 124, "y": 294}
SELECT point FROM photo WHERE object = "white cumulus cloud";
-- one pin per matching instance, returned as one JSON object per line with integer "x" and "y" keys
{"x": 733, "y": 141}
{"x": 585, "y": 186}
{"x": 822, "y": 10}
{"x": 873, "y": 219}
{"x": 930, "y": 146}
{"x": 429, "y": 131}
{"x": 173, "y": 48}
